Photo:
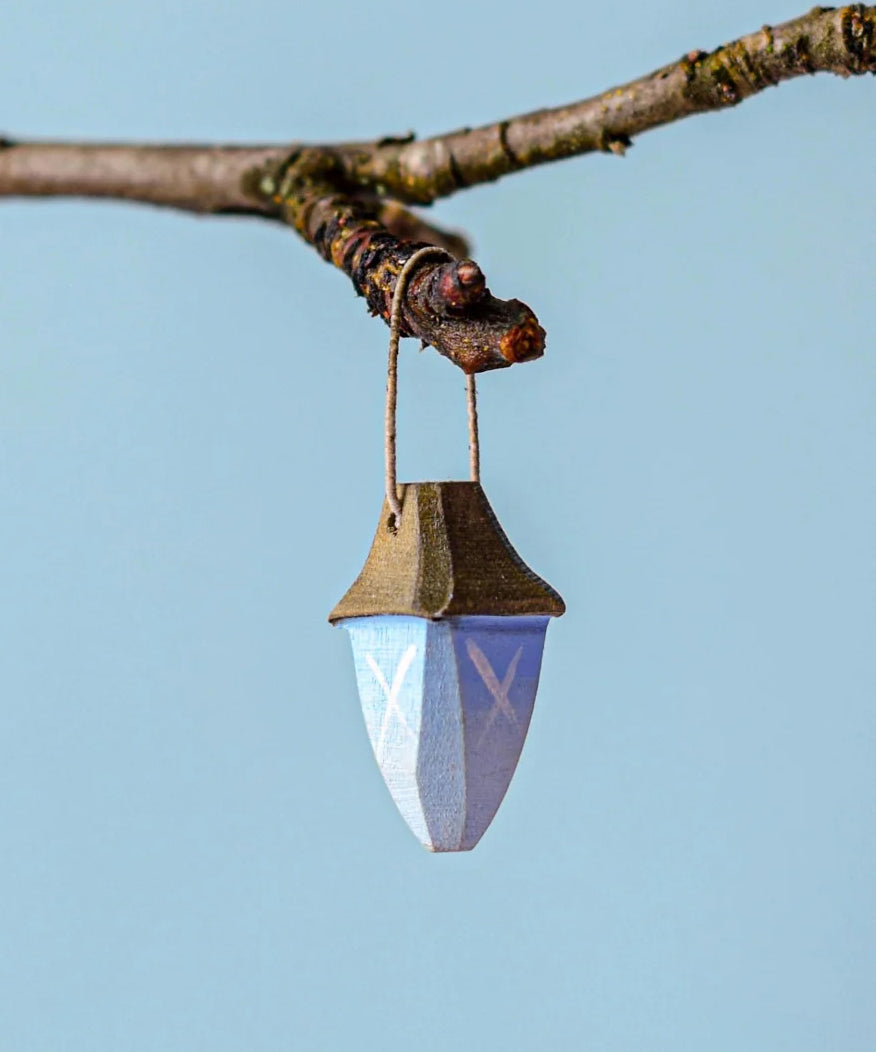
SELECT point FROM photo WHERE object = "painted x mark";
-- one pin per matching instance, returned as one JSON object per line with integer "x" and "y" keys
{"x": 391, "y": 694}
{"x": 498, "y": 691}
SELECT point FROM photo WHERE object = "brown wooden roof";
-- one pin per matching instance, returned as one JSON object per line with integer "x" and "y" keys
{"x": 449, "y": 557}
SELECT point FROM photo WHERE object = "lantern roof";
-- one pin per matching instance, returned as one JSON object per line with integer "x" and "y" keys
{"x": 449, "y": 557}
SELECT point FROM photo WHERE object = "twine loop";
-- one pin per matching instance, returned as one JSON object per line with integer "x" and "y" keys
{"x": 389, "y": 446}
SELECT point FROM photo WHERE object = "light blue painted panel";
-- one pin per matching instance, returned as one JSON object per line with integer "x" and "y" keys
{"x": 447, "y": 705}
{"x": 389, "y": 655}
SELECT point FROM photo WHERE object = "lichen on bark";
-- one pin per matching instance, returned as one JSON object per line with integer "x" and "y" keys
{"x": 446, "y": 304}
{"x": 350, "y": 200}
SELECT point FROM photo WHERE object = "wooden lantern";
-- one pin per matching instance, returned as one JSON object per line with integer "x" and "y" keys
{"x": 447, "y": 625}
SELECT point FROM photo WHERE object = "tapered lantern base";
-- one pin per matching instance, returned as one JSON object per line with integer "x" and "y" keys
{"x": 447, "y": 705}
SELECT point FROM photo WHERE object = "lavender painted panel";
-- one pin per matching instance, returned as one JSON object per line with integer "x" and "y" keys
{"x": 499, "y": 662}
{"x": 441, "y": 764}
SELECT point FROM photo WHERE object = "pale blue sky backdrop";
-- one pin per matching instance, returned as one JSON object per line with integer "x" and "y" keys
{"x": 196, "y": 849}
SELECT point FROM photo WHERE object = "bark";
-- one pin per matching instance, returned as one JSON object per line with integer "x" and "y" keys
{"x": 447, "y": 305}
{"x": 826, "y": 40}
{"x": 347, "y": 199}
{"x": 207, "y": 179}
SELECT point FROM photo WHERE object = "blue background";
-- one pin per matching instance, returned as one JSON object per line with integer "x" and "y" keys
{"x": 197, "y": 848}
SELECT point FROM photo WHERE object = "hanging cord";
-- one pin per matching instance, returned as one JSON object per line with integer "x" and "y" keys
{"x": 474, "y": 444}
{"x": 392, "y": 388}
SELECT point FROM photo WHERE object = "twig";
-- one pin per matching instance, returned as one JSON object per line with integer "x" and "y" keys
{"x": 208, "y": 179}
{"x": 218, "y": 178}
{"x": 826, "y": 40}
{"x": 447, "y": 305}
{"x": 344, "y": 199}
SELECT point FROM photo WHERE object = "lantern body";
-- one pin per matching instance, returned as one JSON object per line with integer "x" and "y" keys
{"x": 447, "y": 624}
{"x": 447, "y": 705}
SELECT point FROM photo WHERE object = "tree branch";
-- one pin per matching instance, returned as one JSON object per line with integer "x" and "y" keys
{"x": 211, "y": 178}
{"x": 214, "y": 178}
{"x": 826, "y": 40}
{"x": 447, "y": 305}
{"x": 206, "y": 179}
{"x": 345, "y": 199}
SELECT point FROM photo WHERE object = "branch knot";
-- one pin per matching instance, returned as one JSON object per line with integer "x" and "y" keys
{"x": 445, "y": 304}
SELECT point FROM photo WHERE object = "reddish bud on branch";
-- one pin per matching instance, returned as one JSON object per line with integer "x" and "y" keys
{"x": 446, "y": 304}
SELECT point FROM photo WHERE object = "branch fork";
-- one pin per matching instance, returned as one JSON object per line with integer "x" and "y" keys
{"x": 350, "y": 201}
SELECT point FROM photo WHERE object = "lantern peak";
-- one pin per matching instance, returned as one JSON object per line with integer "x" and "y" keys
{"x": 449, "y": 557}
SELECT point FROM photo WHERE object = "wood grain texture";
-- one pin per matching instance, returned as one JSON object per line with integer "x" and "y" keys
{"x": 447, "y": 705}
{"x": 449, "y": 557}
